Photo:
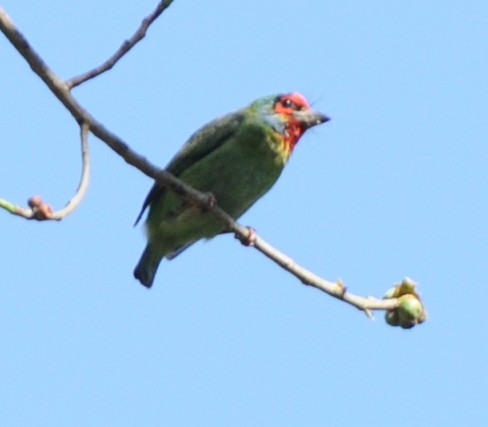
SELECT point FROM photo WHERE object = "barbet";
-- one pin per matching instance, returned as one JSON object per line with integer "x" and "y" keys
{"x": 236, "y": 158}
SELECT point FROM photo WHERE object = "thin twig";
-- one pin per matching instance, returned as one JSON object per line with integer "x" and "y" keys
{"x": 85, "y": 176}
{"x": 16, "y": 210}
{"x": 335, "y": 289}
{"x": 62, "y": 91}
{"x": 123, "y": 49}
{"x": 42, "y": 211}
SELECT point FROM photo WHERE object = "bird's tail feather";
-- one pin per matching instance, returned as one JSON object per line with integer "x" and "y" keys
{"x": 147, "y": 266}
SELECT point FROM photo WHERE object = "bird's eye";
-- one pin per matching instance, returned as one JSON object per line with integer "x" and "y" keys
{"x": 288, "y": 103}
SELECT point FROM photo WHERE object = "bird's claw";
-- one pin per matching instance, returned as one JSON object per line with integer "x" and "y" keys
{"x": 211, "y": 201}
{"x": 250, "y": 239}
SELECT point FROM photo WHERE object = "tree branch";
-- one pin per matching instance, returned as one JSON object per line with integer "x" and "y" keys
{"x": 123, "y": 49}
{"x": 85, "y": 176}
{"x": 403, "y": 305}
{"x": 41, "y": 211}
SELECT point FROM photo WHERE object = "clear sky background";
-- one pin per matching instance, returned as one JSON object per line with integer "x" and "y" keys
{"x": 393, "y": 186}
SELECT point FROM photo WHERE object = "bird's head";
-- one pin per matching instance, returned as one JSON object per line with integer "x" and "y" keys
{"x": 289, "y": 115}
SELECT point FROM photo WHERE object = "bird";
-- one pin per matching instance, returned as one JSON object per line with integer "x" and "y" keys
{"x": 236, "y": 159}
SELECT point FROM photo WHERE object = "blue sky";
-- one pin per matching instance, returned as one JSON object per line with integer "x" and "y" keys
{"x": 393, "y": 186}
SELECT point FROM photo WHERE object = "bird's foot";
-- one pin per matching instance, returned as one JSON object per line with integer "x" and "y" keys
{"x": 210, "y": 202}
{"x": 250, "y": 239}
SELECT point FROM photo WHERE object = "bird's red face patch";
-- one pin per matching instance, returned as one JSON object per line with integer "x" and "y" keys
{"x": 291, "y": 102}
{"x": 286, "y": 105}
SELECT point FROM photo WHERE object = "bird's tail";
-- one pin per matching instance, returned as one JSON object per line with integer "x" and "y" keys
{"x": 147, "y": 266}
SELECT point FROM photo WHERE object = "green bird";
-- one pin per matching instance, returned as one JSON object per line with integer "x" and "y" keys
{"x": 236, "y": 158}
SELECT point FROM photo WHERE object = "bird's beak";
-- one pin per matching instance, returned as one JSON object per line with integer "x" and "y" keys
{"x": 310, "y": 118}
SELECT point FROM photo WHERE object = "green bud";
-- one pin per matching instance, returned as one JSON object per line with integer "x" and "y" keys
{"x": 391, "y": 318}
{"x": 410, "y": 310}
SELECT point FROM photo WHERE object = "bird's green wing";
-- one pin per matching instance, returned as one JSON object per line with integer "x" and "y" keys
{"x": 201, "y": 143}
{"x": 204, "y": 141}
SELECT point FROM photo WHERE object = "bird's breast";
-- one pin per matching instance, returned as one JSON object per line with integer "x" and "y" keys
{"x": 241, "y": 170}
